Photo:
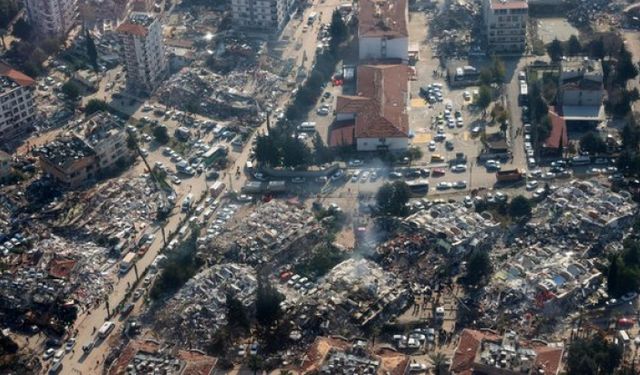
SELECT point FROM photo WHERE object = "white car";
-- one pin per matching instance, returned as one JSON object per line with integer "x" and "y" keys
{"x": 432, "y": 146}
{"x": 176, "y": 180}
{"x": 70, "y": 344}
{"x": 459, "y": 168}
{"x": 532, "y": 184}
{"x": 459, "y": 185}
{"x": 48, "y": 353}
{"x": 443, "y": 185}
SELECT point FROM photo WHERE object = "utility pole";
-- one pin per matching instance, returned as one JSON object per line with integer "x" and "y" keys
{"x": 135, "y": 268}
{"x": 106, "y": 301}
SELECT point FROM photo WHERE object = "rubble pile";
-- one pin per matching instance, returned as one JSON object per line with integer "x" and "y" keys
{"x": 550, "y": 269}
{"x": 361, "y": 290}
{"x": 199, "y": 309}
{"x": 266, "y": 232}
{"x": 583, "y": 13}
{"x": 112, "y": 207}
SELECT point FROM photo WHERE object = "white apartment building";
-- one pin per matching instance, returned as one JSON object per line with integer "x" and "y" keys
{"x": 382, "y": 30}
{"x": 271, "y": 15}
{"x": 52, "y": 17}
{"x": 506, "y": 22}
{"x": 581, "y": 89}
{"x": 17, "y": 107}
{"x": 142, "y": 51}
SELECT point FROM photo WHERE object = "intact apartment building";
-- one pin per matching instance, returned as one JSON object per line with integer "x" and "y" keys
{"x": 142, "y": 51}
{"x": 17, "y": 106}
{"x": 268, "y": 15}
{"x": 382, "y": 30}
{"x": 506, "y": 23}
{"x": 52, "y": 17}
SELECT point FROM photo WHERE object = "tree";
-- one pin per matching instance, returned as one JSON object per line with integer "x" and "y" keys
{"x": 95, "y": 105}
{"x": 555, "y": 50}
{"x": 486, "y": 77}
{"x": 337, "y": 30}
{"x": 236, "y": 313}
{"x": 92, "y": 52}
{"x": 596, "y": 48}
{"x": 267, "y": 150}
{"x": 255, "y": 364}
{"x": 625, "y": 68}
{"x": 295, "y": 153}
{"x": 592, "y": 143}
{"x": 392, "y": 198}
{"x": 322, "y": 153}
{"x": 414, "y": 153}
{"x": 484, "y": 97}
{"x": 22, "y": 29}
{"x": 573, "y": 46}
{"x": 267, "y": 303}
{"x": 50, "y": 45}
{"x": 161, "y": 134}
{"x": 478, "y": 266}
{"x": 498, "y": 70}
{"x": 71, "y": 89}
{"x": 520, "y": 207}
{"x": 439, "y": 360}
{"x": 593, "y": 356}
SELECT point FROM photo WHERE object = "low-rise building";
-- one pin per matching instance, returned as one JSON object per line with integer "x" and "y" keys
{"x": 581, "y": 89}
{"x": 108, "y": 138}
{"x": 17, "y": 107}
{"x": 506, "y": 24}
{"x": 484, "y": 352}
{"x": 69, "y": 160}
{"x": 382, "y": 30}
{"x": 376, "y": 118}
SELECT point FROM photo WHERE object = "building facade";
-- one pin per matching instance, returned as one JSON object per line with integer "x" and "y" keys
{"x": 52, "y": 17}
{"x": 581, "y": 90}
{"x": 17, "y": 106}
{"x": 142, "y": 51}
{"x": 382, "y": 30}
{"x": 506, "y": 23}
{"x": 108, "y": 138}
{"x": 5, "y": 165}
{"x": 69, "y": 160}
{"x": 270, "y": 15}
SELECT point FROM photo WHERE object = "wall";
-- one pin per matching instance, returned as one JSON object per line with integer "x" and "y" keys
{"x": 371, "y": 144}
{"x": 370, "y": 48}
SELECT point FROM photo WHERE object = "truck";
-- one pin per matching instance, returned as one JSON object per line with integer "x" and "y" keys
{"x": 127, "y": 262}
{"x": 523, "y": 96}
{"x": 510, "y": 175}
{"x": 106, "y": 329}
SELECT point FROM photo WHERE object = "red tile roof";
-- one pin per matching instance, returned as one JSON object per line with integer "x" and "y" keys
{"x": 380, "y": 103}
{"x": 463, "y": 358}
{"x": 341, "y": 134}
{"x": 558, "y": 135}
{"x": 16, "y": 76}
{"x": 509, "y": 4}
{"x": 383, "y": 18}
{"x": 132, "y": 28}
{"x": 61, "y": 268}
{"x": 549, "y": 359}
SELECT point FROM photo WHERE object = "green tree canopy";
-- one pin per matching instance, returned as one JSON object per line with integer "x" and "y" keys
{"x": 478, "y": 267}
{"x": 573, "y": 46}
{"x": 520, "y": 207}
{"x": 392, "y": 198}
{"x": 555, "y": 51}
{"x": 337, "y": 30}
{"x": 71, "y": 89}
{"x": 593, "y": 356}
{"x": 92, "y": 52}
{"x": 592, "y": 143}
{"x": 484, "y": 97}
{"x": 267, "y": 303}
{"x": 161, "y": 134}
{"x": 267, "y": 150}
{"x": 95, "y": 105}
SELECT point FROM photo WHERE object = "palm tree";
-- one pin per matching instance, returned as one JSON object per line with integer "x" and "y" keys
{"x": 438, "y": 360}
{"x": 132, "y": 144}
{"x": 255, "y": 364}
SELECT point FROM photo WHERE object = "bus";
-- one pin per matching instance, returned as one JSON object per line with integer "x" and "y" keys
{"x": 418, "y": 187}
{"x": 523, "y": 97}
{"x": 307, "y": 126}
{"x": 106, "y": 329}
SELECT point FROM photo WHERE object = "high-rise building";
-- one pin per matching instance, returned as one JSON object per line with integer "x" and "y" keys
{"x": 142, "y": 51}
{"x": 52, "y": 17}
{"x": 506, "y": 23}
{"x": 271, "y": 15}
{"x": 17, "y": 107}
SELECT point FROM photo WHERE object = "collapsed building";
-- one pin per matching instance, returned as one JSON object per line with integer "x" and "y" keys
{"x": 199, "y": 309}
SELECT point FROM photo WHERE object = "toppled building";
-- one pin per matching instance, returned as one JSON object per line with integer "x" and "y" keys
{"x": 486, "y": 352}
{"x": 461, "y": 229}
{"x": 198, "y": 310}
{"x": 152, "y": 357}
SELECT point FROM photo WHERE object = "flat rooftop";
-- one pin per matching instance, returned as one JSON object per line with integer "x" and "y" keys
{"x": 509, "y": 4}
{"x": 65, "y": 150}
